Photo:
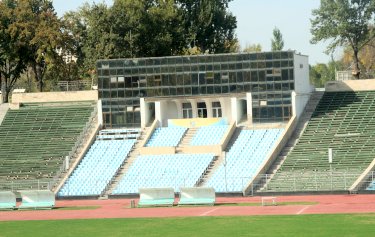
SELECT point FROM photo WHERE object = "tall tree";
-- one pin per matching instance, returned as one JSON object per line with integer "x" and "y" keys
{"x": 13, "y": 52}
{"x": 209, "y": 25}
{"x": 277, "y": 42}
{"x": 94, "y": 38}
{"x": 42, "y": 35}
{"x": 366, "y": 59}
{"x": 347, "y": 23}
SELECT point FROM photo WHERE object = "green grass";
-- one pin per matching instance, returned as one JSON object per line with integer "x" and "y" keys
{"x": 341, "y": 225}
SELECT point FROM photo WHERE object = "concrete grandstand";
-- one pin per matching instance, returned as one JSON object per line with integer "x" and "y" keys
{"x": 239, "y": 123}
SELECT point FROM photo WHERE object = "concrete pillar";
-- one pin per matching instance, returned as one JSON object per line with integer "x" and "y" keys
{"x": 100, "y": 113}
{"x": 294, "y": 105}
{"x": 143, "y": 111}
{"x": 208, "y": 102}
{"x": 234, "y": 109}
{"x": 179, "y": 108}
{"x": 194, "y": 107}
{"x": 249, "y": 100}
{"x": 158, "y": 112}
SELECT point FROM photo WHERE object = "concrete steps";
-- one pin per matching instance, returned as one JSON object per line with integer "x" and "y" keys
{"x": 132, "y": 156}
{"x": 186, "y": 139}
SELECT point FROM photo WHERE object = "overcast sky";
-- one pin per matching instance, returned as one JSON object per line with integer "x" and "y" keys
{"x": 256, "y": 20}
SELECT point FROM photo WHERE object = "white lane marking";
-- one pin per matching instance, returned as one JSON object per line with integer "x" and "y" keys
{"x": 208, "y": 212}
{"x": 302, "y": 210}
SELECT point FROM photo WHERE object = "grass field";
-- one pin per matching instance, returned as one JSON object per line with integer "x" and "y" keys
{"x": 278, "y": 226}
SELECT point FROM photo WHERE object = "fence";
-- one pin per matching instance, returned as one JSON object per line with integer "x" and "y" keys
{"x": 305, "y": 182}
{"x": 25, "y": 185}
{"x": 74, "y": 85}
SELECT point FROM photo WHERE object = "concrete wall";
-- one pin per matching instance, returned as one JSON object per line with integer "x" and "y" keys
{"x": 299, "y": 102}
{"x": 350, "y": 85}
{"x": 157, "y": 150}
{"x": 301, "y": 74}
{"x": 55, "y": 96}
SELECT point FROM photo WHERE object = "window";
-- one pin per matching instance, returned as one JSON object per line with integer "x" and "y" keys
{"x": 216, "y": 110}
{"x": 202, "y": 110}
{"x": 187, "y": 110}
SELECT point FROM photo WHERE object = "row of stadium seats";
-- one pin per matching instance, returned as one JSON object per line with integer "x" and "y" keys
{"x": 209, "y": 135}
{"x": 166, "y": 137}
{"x": 35, "y": 139}
{"x": 343, "y": 121}
{"x": 178, "y": 170}
{"x": 243, "y": 159}
{"x": 97, "y": 168}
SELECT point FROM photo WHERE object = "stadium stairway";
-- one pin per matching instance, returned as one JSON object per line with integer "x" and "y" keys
{"x": 220, "y": 159}
{"x": 186, "y": 139}
{"x": 3, "y": 110}
{"x": 132, "y": 156}
{"x": 298, "y": 131}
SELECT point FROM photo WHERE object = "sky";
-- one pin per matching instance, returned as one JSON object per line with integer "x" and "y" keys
{"x": 256, "y": 20}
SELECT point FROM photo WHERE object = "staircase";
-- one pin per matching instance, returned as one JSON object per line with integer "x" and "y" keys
{"x": 3, "y": 111}
{"x": 219, "y": 160}
{"x": 186, "y": 139}
{"x": 133, "y": 154}
{"x": 293, "y": 140}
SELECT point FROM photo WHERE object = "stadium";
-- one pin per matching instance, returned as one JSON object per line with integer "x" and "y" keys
{"x": 210, "y": 132}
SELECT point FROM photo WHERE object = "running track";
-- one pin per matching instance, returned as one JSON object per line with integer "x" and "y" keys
{"x": 119, "y": 208}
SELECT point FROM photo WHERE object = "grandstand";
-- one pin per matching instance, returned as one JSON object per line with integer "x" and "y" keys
{"x": 100, "y": 163}
{"x": 35, "y": 139}
{"x": 243, "y": 159}
{"x": 232, "y": 127}
{"x": 343, "y": 121}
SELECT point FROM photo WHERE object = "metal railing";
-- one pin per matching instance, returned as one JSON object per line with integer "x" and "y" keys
{"x": 25, "y": 185}
{"x": 305, "y": 182}
{"x": 74, "y": 85}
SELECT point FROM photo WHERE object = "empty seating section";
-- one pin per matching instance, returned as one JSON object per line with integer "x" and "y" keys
{"x": 35, "y": 139}
{"x": 343, "y": 121}
{"x": 97, "y": 167}
{"x": 166, "y": 137}
{"x": 161, "y": 171}
{"x": 243, "y": 159}
{"x": 209, "y": 135}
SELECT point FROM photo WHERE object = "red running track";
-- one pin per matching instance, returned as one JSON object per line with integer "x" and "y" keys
{"x": 119, "y": 208}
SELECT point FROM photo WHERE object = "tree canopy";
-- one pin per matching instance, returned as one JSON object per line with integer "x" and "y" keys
{"x": 345, "y": 23}
{"x": 33, "y": 37}
{"x": 277, "y": 42}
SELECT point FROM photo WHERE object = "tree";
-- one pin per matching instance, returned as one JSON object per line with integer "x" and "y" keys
{"x": 251, "y": 48}
{"x": 321, "y": 73}
{"x": 366, "y": 59}
{"x": 208, "y": 25}
{"x": 92, "y": 30}
{"x": 347, "y": 23}
{"x": 148, "y": 27}
{"x": 277, "y": 42}
{"x": 41, "y": 36}
{"x": 13, "y": 53}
